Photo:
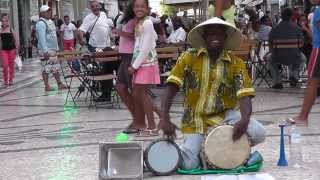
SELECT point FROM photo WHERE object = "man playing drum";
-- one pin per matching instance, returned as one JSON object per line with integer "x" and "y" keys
{"x": 214, "y": 81}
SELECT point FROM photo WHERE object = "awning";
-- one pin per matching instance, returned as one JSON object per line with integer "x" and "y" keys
{"x": 171, "y": 2}
{"x": 181, "y": 2}
{"x": 251, "y": 3}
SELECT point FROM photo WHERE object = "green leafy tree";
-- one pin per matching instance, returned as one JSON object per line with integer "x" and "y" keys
{"x": 168, "y": 10}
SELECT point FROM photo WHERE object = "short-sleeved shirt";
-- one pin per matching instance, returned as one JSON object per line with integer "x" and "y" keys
{"x": 126, "y": 44}
{"x": 210, "y": 89}
{"x": 263, "y": 33}
{"x": 315, "y": 28}
{"x": 100, "y": 34}
{"x": 68, "y": 31}
{"x": 47, "y": 36}
{"x": 286, "y": 30}
{"x": 177, "y": 36}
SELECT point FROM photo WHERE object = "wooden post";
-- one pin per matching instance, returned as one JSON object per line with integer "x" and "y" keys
{"x": 205, "y": 4}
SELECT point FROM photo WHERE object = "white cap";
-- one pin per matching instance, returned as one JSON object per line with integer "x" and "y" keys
{"x": 44, "y": 8}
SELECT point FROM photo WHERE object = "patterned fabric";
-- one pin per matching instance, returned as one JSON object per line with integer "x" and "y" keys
{"x": 144, "y": 53}
{"x": 50, "y": 66}
{"x": 210, "y": 89}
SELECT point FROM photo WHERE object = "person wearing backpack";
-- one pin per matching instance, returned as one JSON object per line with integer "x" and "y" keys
{"x": 48, "y": 46}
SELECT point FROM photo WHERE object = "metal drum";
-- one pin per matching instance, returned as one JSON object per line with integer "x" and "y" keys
{"x": 162, "y": 157}
{"x": 220, "y": 151}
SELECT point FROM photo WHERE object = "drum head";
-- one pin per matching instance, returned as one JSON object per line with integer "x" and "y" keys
{"x": 222, "y": 152}
{"x": 162, "y": 157}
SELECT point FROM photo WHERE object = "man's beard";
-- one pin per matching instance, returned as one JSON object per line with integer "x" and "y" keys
{"x": 215, "y": 52}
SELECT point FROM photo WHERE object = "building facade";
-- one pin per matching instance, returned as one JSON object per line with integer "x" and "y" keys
{"x": 10, "y": 7}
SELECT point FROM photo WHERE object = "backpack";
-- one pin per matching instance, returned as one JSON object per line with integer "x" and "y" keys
{"x": 116, "y": 19}
{"x": 34, "y": 39}
{"x": 47, "y": 29}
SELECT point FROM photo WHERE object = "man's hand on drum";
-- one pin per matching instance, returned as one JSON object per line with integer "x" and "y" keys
{"x": 239, "y": 129}
{"x": 168, "y": 128}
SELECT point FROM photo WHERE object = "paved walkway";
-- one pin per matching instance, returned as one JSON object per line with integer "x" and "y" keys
{"x": 29, "y": 74}
{"x": 41, "y": 139}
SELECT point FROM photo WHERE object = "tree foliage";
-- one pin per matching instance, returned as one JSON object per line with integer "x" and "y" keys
{"x": 167, "y": 9}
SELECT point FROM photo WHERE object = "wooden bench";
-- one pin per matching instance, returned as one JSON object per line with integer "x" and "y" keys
{"x": 165, "y": 53}
{"x": 102, "y": 77}
{"x": 286, "y": 43}
{"x": 68, "y": 55}
{"x": 106, "y": 56}
{"x": 70, "y": 73}
{"x": 245, "y": 49}
{"x": 167, "y": 57}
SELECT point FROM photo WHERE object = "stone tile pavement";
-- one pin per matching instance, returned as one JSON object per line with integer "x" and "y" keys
{"x": 29, "y": 74}
{"x": 42, "y": 139}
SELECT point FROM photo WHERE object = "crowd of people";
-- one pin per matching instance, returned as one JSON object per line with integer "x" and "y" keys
{"x": 214, "y": 80}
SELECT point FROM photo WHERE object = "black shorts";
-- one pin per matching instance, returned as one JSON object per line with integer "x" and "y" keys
{"x": 123, "y": 76}
{"x": 314, "y": 64}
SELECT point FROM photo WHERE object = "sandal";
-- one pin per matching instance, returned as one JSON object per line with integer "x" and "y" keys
{"x": 131, "y": 130}
{"x": 148, "y": 133}
{"x": 62, "y": 86}
{"x": 48, "y": 88}
{"x": 291, "y": 121}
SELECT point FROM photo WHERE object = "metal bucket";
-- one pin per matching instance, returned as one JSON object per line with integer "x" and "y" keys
{"x": 121, "y": 161}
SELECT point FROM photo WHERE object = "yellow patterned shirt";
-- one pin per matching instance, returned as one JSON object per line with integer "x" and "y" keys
{"x": 210, "y": 89}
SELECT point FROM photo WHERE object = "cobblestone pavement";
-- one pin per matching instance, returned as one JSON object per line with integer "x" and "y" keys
{"x": 29, "y": 74}
{"x": 42, "y": 139}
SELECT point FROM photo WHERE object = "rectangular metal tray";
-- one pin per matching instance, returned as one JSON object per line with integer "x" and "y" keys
{"x": 121, "y": 160}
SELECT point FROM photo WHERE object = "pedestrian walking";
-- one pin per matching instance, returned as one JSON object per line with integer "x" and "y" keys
{"x": 125, "y": 31}
{"x": 48, "y": 46}
{"x": 313, "y": 71}
{"x": 144, "y": 67}
{"x": 8, "y": 50}
{"x": 68, "y": 33}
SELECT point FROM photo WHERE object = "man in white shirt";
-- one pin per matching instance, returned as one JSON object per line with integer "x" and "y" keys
{"x": 68, "y": 34}
{"x": 99, "y": 26}
{"x": 178, "y": 34}
{"x": 264, "y": 29}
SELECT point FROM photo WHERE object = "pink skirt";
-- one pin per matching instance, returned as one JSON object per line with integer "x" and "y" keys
{"x": 147, "y": 75}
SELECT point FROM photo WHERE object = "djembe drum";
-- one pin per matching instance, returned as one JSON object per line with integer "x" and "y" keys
{"x": 162, "y": 157}
{"x": 220, "y": 151}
